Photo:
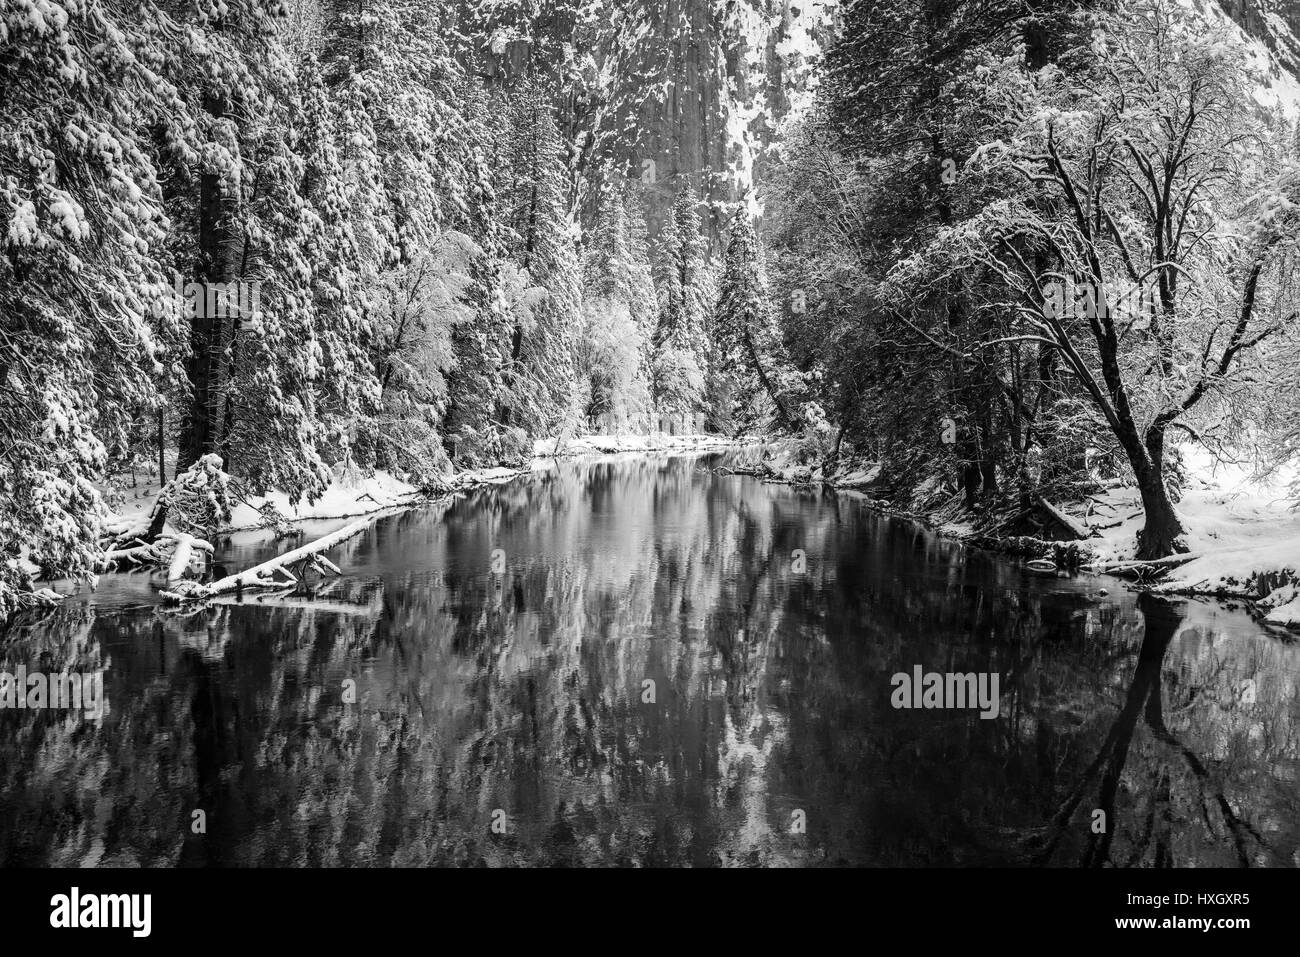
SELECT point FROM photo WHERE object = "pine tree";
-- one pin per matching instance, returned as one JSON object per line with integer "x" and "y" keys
{"x": 481, "y": 343}
{"x": 86, "y": 318}
{"x": 683, "y": 277}
{"x": 745, "y": 331}
{"x": 618, "y": 295}
{"x": 541, "y": 397}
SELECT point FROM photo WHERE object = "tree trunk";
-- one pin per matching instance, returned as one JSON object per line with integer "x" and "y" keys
{"x": 786, "y": 419}
{"x": 200, "y": 424}
{"x": 199, "y": 430}
{"x": 162, "y": 448}
{"x": 988, "y": 478}
{"x": 1162, "y": 532}
{"x": 1161, "y": 536}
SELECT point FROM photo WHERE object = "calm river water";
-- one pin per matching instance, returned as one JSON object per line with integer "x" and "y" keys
{"x": 641, "y": 661}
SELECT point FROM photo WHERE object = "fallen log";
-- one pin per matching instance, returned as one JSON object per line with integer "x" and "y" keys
{"x": 183, "y": 548}
{"x": 1171, "y": 560}
{"x": 140, "y": 554}
{"x": 260, "y": 576}
{"x": 1074, "y": 527}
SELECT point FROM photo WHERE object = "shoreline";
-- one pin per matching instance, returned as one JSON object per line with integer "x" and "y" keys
{"x": 1242, "y": 547}
{"x": 391, "y": 496}
{"x": 1261, "y": 593}
{"x": 1264, "y": 592}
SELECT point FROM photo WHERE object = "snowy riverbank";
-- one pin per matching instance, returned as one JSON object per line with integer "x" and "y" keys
{"x": 654, "y": 442}
{"x": 1243, "y": 541}
{"x": 349, "y": 497}
{"x": 353, "y": 495}
{"x": 1242, "y": 535}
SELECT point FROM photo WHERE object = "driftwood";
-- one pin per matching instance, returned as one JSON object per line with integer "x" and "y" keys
{"x": 1074, "y": 527}
{"x": 261, "y": 576}
{"x": 1172, "y": 561}
{"x": 153, "y": 553}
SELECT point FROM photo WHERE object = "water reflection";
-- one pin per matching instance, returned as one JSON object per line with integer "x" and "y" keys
{"x": 526, "y": 692}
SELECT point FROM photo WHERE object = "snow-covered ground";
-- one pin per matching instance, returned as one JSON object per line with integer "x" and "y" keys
{"x": 361, "y": 495}
{"x": 655, "y": 442}
{"x": 1244, "y": 536}
{"x": 344, "y": 498}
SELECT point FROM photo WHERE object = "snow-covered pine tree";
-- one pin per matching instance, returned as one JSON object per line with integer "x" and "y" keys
{"x": 541, "y": 394}
{"x": 299, "y": 375}
{"x": 644, "y": 304}
{"x": 685, "y": 305}
{"x": 86, "y": 327}
{"x": 748, "y": 347}
{"x": 411, "y": 168}
{"x": 229, "y": 72}
{"x": 480, "y": 343}
{"x": 613, "y": 348}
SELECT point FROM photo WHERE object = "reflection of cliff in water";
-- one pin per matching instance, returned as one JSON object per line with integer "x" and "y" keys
{"x": 524, "y": 692}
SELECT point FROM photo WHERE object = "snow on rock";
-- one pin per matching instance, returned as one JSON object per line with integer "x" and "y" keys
{"x": 858, "y": 478}
{"x": 184, "y": 547}
{"x": 1276, "y": 86}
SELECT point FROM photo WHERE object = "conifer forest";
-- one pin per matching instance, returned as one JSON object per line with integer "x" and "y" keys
{"x": 664, "y": 433}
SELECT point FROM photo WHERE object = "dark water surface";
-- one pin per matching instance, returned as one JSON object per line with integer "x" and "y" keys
{"x": 520, "y": 698}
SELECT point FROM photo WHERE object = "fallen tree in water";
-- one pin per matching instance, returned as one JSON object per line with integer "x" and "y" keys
{"x": 175, "y": 550}
{"x": 263, "y": 575}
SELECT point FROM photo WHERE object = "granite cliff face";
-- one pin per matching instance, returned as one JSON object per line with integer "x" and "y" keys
{"x": 667, "y": 91}
{"x": 1270, "y": 31}
{"x": 675, "y": 91}
{"x": 1274, "y": 22}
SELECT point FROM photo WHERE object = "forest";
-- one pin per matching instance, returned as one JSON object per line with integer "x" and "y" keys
{"x": 994, "y": 253}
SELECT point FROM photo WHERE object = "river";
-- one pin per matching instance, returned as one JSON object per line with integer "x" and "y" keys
{"x": 641, "y": 660}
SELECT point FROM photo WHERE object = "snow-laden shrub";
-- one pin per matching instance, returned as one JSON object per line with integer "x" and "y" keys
{"x": 200, "y": 498}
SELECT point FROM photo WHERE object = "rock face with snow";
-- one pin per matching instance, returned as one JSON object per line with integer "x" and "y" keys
{"x": 1274, "y": 22}
{"x": 665, "y": 90}
{"x": 1272, "y": 28}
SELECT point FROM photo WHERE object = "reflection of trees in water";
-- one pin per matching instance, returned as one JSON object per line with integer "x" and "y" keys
{"x": 524, "y": 692}
{"x": 1171, "y": 803}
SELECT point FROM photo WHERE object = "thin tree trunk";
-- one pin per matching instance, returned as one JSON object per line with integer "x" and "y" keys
{"x": 784, "y": 413}
{"x": 162, "y": 448}
{"x": 199, "y": 428}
